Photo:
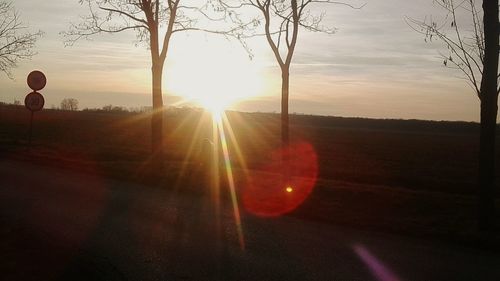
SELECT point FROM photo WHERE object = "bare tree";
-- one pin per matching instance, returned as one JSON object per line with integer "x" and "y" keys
{"x": 155, "y": 22}
{"x": 282, "y": 20}
{"x": 475, "y": 54}
{"x": 69, "y": 104}
{"x": 16, "y": 43}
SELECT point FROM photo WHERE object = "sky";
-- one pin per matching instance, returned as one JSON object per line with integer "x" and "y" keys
{"x": 374, "y": 66}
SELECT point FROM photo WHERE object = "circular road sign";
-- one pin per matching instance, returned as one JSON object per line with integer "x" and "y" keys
{"x": 36, "y": 80}
{"x": 34, "y": 101}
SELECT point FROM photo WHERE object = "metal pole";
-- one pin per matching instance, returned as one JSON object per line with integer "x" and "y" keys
{"x": 31, "y": 128}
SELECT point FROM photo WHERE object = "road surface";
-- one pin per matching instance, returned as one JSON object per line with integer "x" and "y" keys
{"x": 63, "y": 225}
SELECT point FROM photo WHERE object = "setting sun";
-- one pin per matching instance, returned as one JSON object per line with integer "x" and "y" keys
{"x": 216, "y": 77}
{"x": 249, "y": 140}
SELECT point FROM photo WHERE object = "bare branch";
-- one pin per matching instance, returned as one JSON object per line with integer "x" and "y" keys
{"x": 16, "y": 42}
{"x": 337, "y": 3}
{"x": 149, "y": 18}
{"x": 282, "y": 20}
{"x": 124, "y": 14}
{"x": 465, "y": 53}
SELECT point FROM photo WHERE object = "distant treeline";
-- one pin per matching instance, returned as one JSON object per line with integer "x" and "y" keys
{"x": 390, "y": 124}
{"x": 412, "y": 125}
{"x": 109, "y": 108}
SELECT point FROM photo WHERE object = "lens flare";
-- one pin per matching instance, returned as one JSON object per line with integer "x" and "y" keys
{"x": 378, "y": 269}
{"x": 219, "y": 124}
{"x": 267, "y": 194}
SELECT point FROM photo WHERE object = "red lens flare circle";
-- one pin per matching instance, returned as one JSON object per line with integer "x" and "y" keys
{"x": 266, "y": 195}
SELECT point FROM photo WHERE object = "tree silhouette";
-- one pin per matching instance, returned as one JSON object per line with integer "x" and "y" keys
{"x": 155, "y": 22}
{"x": 475, "y": 54}
{"x": 282, "y": 20}
{"x": 69, "y": 104}
{"x": 15, "y": 42}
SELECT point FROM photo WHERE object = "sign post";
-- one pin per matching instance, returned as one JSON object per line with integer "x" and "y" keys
{"x": 34, "y": 101}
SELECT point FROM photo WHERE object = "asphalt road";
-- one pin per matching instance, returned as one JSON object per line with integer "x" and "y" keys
{"x": 62, "y": 225}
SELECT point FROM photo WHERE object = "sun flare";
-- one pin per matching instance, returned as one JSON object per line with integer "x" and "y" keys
{"x": 215, "y": 78}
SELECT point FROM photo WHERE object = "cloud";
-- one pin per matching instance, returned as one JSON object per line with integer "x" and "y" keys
{"x": 374, "y": 66}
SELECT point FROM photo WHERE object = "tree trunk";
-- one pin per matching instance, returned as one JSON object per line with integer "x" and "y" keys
{"x": 285, "y": 132}
{"x": 489, "y": 108}
{"x": 285, "y": 85}
{"x": 157, "y": 117}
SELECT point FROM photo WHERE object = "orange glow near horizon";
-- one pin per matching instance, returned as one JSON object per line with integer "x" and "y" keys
{"x": 216, "y": 77}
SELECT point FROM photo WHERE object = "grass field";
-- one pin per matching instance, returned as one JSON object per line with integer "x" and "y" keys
{"x": 405, "y": 176}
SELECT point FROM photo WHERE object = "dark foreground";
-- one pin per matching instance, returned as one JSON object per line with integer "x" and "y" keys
{"x": 62, "y": 225}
